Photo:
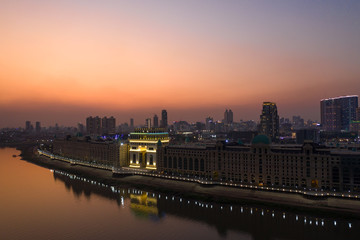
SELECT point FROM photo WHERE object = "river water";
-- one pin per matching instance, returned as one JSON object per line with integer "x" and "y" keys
{"x": 38, "y": 203}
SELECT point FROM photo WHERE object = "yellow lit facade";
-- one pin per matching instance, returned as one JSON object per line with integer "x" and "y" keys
{"x": 143, "y": 144}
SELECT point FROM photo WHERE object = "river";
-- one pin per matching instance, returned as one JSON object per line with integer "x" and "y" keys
{"x": 39, "y": 203}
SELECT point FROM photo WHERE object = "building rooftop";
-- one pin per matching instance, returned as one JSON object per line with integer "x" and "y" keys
{"x": 348, "y": 96}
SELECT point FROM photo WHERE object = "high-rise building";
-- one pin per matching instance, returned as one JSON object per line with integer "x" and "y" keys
{"x": 81, "y": 128}
{"x": 164, "y": 119}
{"x": 93, "y": 125}
{"x": 228, "y": 117}
{"x": 131, "y": 122}
{"x": 337, "y": 113}
{"x": 156, "y": 121}
{"x": 108, "y": 125}
{"x": 209, "y": 124}
{"x": 28, "y": 126}
{"x": 358, "y": 114}
{"x": 37, "y": 127}
{"x": 298, "y": 122}
{"x": 269, "y": 121}
{"x": 148, "y": 122}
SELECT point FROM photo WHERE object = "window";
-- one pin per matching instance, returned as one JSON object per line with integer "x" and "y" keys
{"x": 191, "y": 166}
{"x": 196, "y": 164}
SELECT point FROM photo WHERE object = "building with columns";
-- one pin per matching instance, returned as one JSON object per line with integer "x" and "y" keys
{"x": 143, "y": 145}
{"x": 308, "y": 165}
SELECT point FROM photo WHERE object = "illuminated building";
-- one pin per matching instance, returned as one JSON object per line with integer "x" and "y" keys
{"x": 148, "y": 123}
{"x": 143, "y": 145}
{"x": 355, "y": 127}
{"x": 269, "y": 121}
{"x": 263, "y": 164}
{"x": 337, "y": 113}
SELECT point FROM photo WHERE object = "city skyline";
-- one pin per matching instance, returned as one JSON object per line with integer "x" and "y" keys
{"x": 64, "y": 61}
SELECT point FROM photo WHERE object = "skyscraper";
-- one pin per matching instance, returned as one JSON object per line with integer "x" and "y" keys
{"x": 164, "y": 119}
{"x": 28, "y": 126}
{"x": 93, "y": 125}
{"x": 228, "y": 117}
{"x": 358, "y": 114}
{"x": 108, "y": 125}
{"x": 148, "y": 123}
{"x": 269, "y": 121}
{"x": 156, "y": 121}
{"x": 37, "y": 127}
{"x": 226, "y": 113}
{"x": 337, "y": 113}
{"x": 131, "y": 122}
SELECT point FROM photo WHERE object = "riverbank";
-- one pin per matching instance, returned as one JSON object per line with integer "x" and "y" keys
{"x": 286, "y": 201}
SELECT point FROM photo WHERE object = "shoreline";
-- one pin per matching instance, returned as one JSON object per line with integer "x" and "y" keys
{"x": 286, "y": 201}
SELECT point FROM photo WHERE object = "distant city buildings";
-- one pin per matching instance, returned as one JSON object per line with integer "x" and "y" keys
{"x": 28, "y": 127}
{"x": 303, "y": 135}
{"x": 148, "y": 123}
{"x": 298, "y": 122}
{"x": 37, "y": 127}
{"x": 108, "y": 125}
{"x": 164, "y": 119}
{"x": 228, "y": 117}
{"x": 337, "y": 113}
{"x": 209, "y": 124}
{"x": 98, "y": 126}
{"x": 93, "y": 125}
{"x": 155, "y": 121}
{"x": 81, "y": 128}
{"x": 269, "y": 121}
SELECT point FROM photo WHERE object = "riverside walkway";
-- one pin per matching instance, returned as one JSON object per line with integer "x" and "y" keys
{"x": 151, "y": 173}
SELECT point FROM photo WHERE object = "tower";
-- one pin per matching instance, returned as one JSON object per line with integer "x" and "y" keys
{"x": 337, "y": 113}
{"x": 164, "y": 119}
{"x": 93, "y": 125}
{"x": 269, "y": 121}
{"x": 148, "y": 122}
{"x": 156, "y": 121}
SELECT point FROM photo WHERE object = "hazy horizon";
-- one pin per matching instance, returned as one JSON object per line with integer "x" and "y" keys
{"x": 63, "y": 61}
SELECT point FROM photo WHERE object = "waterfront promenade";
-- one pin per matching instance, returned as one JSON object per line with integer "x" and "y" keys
{"x": 338, "y": 202}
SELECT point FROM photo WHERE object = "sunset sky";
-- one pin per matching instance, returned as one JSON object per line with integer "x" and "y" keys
{"x": 61, "y": 61}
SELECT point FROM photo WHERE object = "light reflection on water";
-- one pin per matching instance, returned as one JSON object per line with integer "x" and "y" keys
{"x": 37, "y": 203}
{"x": 224, "y": 217}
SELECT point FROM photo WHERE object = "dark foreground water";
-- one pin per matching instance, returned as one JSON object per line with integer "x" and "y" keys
{"x": 37, "y": 203}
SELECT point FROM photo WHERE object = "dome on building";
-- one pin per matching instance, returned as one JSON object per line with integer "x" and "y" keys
{"x": 260, "y": 139}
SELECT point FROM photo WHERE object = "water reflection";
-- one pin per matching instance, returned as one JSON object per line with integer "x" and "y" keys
{"x": 257, "y": 221}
